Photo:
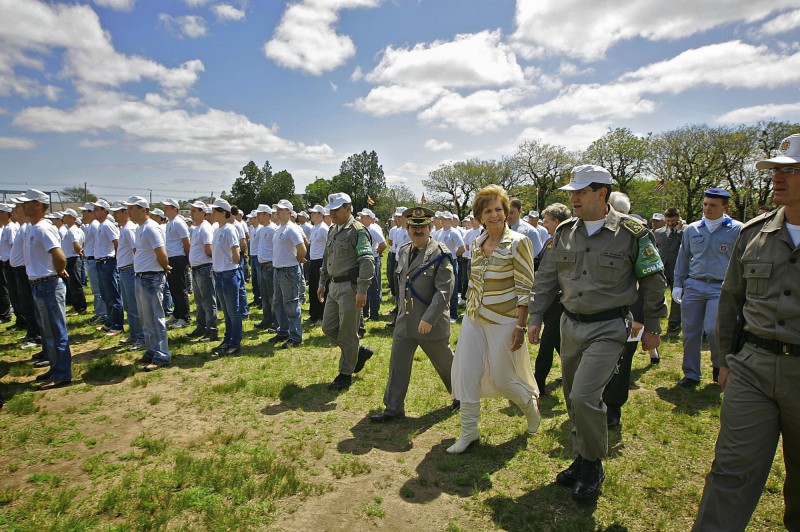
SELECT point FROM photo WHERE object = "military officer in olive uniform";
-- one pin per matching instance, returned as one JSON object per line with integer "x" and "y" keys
{"x": 760, "y": 362}
{"x": 599, "y": 259}
{"x": 349, "y": 265}
{"x": 424, "y": 284}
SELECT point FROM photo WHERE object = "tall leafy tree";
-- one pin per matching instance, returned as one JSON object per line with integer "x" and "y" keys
{"x": 620, "y": 152}
{"x": 544, "y": 167}
{"x": 279, "y": 186}
{"x": 361, "y": 176}
{"x": 247, "y": 188}
{"x": 317, "y": 191}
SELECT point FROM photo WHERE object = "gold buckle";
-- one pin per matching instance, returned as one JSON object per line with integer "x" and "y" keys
{"x": 787, "y": 349}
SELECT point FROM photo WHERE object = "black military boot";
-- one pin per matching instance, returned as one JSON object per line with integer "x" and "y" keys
{"x": 590, "y": 479}
{"x": 569, "y": 476}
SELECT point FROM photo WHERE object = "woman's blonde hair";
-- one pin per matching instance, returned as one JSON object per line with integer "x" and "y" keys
{"x": 487, "y": 195}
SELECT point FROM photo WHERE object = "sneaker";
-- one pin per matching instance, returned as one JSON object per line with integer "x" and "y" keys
{"x": 210, "y": 336}
{"x": 171, "y": 320}
{"x": 29, "y": 345}
{"x": 128, "y": 340}
{"x": 290, "y": 344}
{"x": 231, "y": 350}
{"x": 655, "y": 357}
{"x": 137, "y": 346}
{"x": 103, "y": 328}
{"x": 114, "y": 332}
{"x": 278, "y": 338}
{"x": 41, "y": 364}
{"x": 97, "y": 319}
{"x": 198, "y": 332}
{"x": 179, "y": 324}
{"x": 686, "y": 382}
{"x": 220, "y": 349}
{"x": 453, "y": 320}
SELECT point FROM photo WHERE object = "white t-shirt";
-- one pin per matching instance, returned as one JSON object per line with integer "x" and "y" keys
{"x": 177, "y": 230}
{"x": 264, "y": 252}
{"x": 203, "y": 234}
{"x": 7, "y": 239}
{"x": 377, "y": 237}
{"x": 40, "y": 239}
{"x": 62, "y": 231}
{"x": 255, "y": 236}
{"x": 90, "y": 231}
{"x": 126, "y": 244}
{"x": 241, "y": 229}
{"x": 307, "y": 227}
{"x": 317, "y": 241}
{"x": 284, "y": 245}
{"x": 401, "y": 237}
{"x": 452, "y": 239}
{"x": 469, "y": 239}
{"x": 107, "y": 232}
{"x": 594, "y": 226}
{"x": 226, "y": 237}
{"x": 17, "y": 256}
{"x": 794, "y": 232}
{"x": 393, "y": 245}
{"x": 74, "y": 234}
{"x": 149, "y": 237}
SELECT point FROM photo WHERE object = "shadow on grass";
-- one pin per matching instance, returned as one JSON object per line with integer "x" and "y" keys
{"x": 691, "y": 401}
{"x": 394, "y": 436}
{"x": 459, "y": 475}
{"x": 311, "y": 398}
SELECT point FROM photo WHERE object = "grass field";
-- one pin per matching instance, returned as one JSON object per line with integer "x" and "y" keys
{"x": 257, "y": 442}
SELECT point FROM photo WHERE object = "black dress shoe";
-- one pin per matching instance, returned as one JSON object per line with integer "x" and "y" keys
{"x": 590, "y": 479}
{"x": 569, "y": 476}
{"x": 220, "y": 349}
{"x": 341, "y": 382}
{"x": 686, "y": 382}
{"x": 198, "y": 332}
{"x": 383, "y": 417}
{"x": 715, "y": 374}
{"x": 278, "y": 338}
{"x": 364, "y": 354}
{"x": 455, "y": 406}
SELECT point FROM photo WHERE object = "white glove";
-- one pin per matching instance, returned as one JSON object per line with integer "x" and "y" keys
{"x": 677, "y": 295}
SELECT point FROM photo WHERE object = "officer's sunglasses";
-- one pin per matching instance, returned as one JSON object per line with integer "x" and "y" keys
{"x": 787, "y": 170}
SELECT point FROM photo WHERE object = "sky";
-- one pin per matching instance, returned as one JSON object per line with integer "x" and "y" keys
{"x": 173, "y": 97}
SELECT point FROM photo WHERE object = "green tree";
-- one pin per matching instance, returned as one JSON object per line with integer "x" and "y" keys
{"x": 361, "y": 177}
{"x": 247, "y": 188}
{"x": 77, "y": 194}
{"x": 317, "y": 192}
{"x": 620, "y": 152}
{"x": 279, "y": 186}
{"x": 543, "y": 167}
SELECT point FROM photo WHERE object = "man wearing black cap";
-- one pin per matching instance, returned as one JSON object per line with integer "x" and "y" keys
{"x": 706, "y": 247}
{"x": 425, "y": 280}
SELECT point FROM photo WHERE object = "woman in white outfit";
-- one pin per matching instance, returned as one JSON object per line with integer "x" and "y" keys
{"x": 492, "y": 358}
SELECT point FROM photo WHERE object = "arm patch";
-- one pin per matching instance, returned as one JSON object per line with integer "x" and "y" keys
{"x": 649, "y": 261}
{"x": 363, "y": 244}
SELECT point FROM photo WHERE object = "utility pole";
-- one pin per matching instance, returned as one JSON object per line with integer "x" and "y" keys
{"x": 85, "y": 193}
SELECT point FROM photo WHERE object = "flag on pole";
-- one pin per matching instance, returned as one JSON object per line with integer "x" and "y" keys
{"x": 370, "y": 200}
{"x": 660, "y": 186}
{"x": 424, "y": 201}
{"x": 455, "y": 198}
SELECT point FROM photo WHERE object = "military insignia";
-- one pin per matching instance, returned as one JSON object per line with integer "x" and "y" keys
{"x": 632, "y": 225}
{"x": 785, "y": 145}
{"x": 418, "y": 213}
{"x": 550, "y": 244}
{"x": 649, "y": 261}
{"x": 363, "y": 246}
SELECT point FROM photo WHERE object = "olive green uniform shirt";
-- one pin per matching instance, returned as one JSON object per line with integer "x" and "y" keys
{"x": 602, "y": 271}
{"x": 348, "y": 248}
{"x": 761, "y": 284}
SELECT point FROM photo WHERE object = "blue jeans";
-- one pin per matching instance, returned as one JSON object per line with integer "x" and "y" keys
{"x": 166, "y": 299}
{"x": 49, "y": 297}
{"x": 267, "y": 283}
{"x": 243, "y": 289}
{"x": 228, "y": 285}
{"x": 94, "y": 283}
{"x": 203, "y": 283}
{"x": 254, "y": 278}
{"x": 286, "y": 302}
{"x": 373, "y": 307}
{"x": 698, "y": 314}
{"x": 149, "y": 295}
{"x": 127, "y": 285}
{"x": 109, "y": 290}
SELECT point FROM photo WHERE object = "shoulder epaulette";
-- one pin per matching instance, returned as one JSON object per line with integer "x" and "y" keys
{"x": 358, "y": 225}
{"x": 443, "y": 248}
{"x": 760, "y": 219}
{"x": 633, "y": 226}
{"x": 566, "y": 223}
{"x": 406, "y": 245}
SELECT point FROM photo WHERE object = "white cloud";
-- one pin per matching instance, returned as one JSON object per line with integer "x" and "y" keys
{"x": 727, "y": 65}
{"x": 227, "y": 12}
{"x": 334, "y": 86}
{"x": 394, "y": 99}
{"x": 31, "y": 31}
{"x": 586, "y": 29}
{"x": 98, "y": 143}
{"x": 575, "y": 137}
{"x": 770, "y": 111}
{"x": 159, "y": 130}
{"x": 16, "y": 143}
{"x": 436, "y": 145}
{"x": 471, "y": 60}
{"x": 192, "y": 26}
{"x": 357, "y": 74}
{"x": 196, "y": 3}
{"x": 781, "y": 24}
{"x": 306, "y": 39}
{"x": 476, "y": 113}
{"x": 119, "y": 5}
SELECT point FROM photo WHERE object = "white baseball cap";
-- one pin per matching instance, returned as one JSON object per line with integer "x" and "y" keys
{"x": 285, "y": 204}
{"x": 220, "y": 203}
{"x": 447, "y": 215}
{"x": 5, "y": 207}
{"x": 790, "y": 154}
{"x": 118, "y": 206}
{"x": 172, "y": 203}
{"x": 87, "y": 207}
{"x": 197, "y": 204}
{"x": 657, "y": 216}
{"x": 103, "y": 204}
{"x": 304, "y": 214}
{"x": 337, "y": 200}
{"x": 263, "y": 207}
{"x": 69, "y": 212}
{"x": 533, "y": 214}
{"x": 158, "y": 212}
{"x": 367, "y": 212}
{"x": 586, "y": 174}
{"x": 138, "y": 201}
{"x": 34, "y": 195}
{"x": 399, "y": 211}
{"x": 318, "y": 209}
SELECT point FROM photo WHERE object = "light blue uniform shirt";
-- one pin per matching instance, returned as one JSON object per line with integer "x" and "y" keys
{"x": 703, "y": 254}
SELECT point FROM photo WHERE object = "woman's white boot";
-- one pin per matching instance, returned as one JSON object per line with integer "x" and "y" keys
{"x": 470, "y": 415}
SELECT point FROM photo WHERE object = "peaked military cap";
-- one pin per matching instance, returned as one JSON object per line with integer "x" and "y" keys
{"x": 418, "y": 216}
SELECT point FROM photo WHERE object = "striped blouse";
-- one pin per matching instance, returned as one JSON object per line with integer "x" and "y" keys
{"x": 500, "y": 283}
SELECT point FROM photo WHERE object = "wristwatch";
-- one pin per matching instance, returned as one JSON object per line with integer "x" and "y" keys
{"x": 521, "y": 328}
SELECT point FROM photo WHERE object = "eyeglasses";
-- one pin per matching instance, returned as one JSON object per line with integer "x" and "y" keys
{"x": 787, "y": 170}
